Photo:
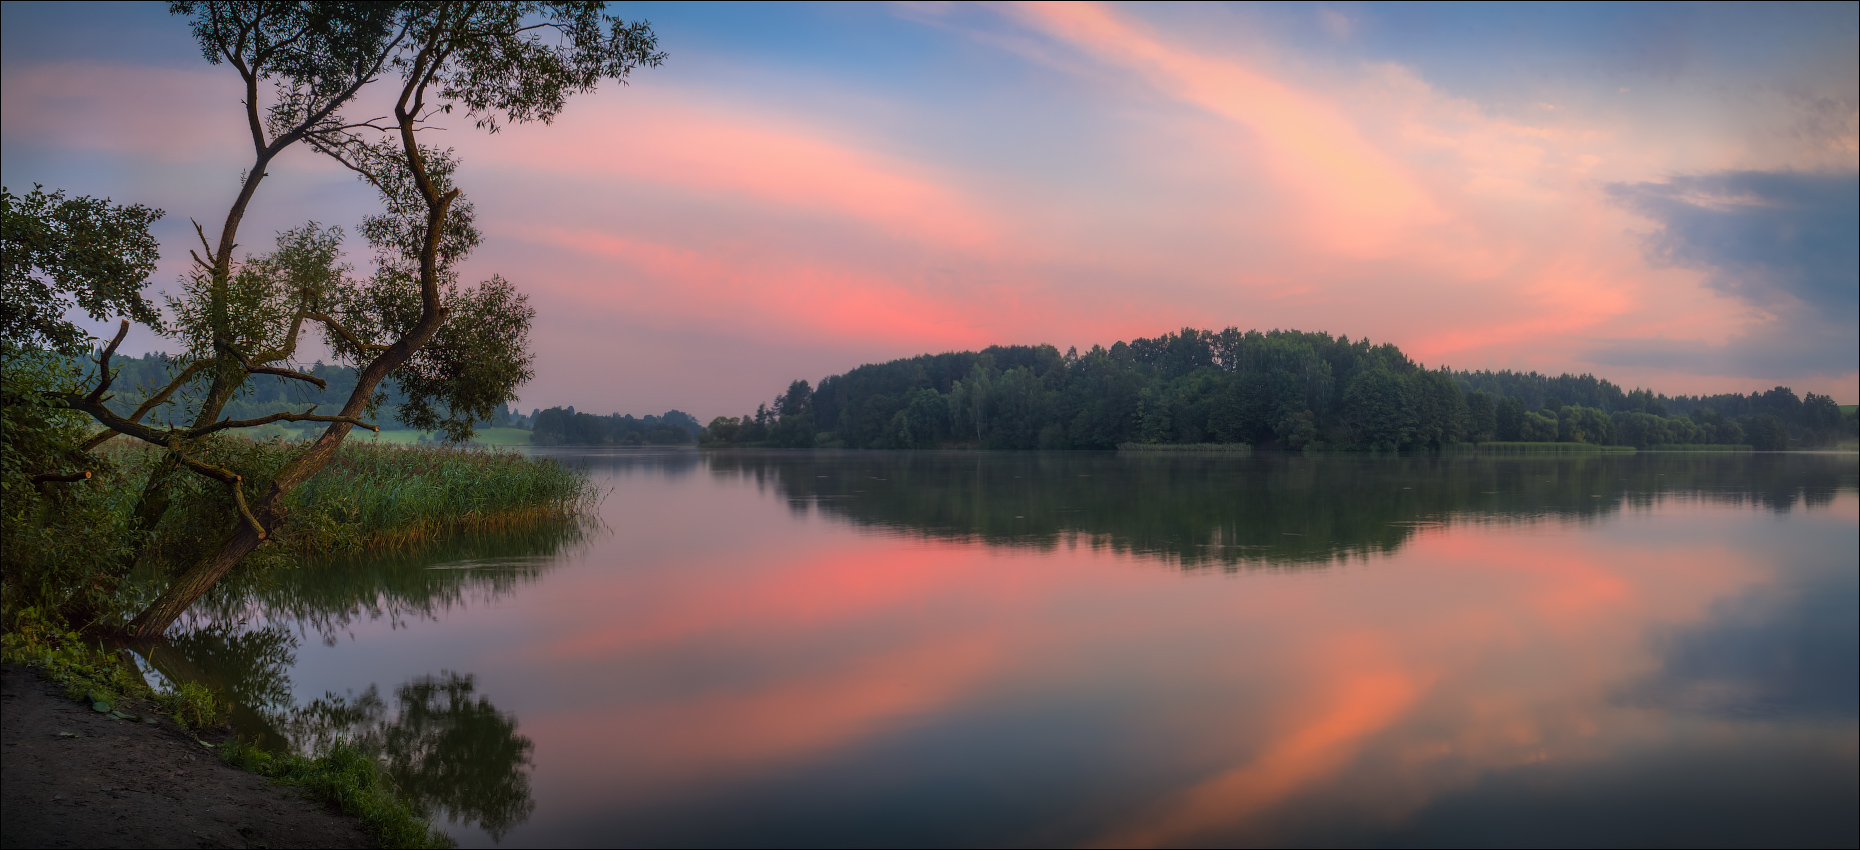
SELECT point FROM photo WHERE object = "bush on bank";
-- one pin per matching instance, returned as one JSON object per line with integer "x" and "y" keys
{"x": 69, "y": 550}
{"x": 71, "y": 561}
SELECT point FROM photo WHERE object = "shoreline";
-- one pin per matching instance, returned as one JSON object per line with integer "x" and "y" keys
{"x": 75, "y": 777}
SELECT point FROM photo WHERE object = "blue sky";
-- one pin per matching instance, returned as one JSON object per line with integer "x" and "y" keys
{"x": 1661, "y": 194}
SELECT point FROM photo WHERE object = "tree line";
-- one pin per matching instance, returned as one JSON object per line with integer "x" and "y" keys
{"x": 559, "y": 426}
{"x": 1271, "y": 389}
{"x": 138, "y": 378}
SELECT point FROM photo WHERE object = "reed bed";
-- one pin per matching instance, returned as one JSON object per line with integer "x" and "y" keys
{"x": 383, "y": 496}
{"x": 1221, "y": 448}
{"x": 1699, "y": 447}
{"x": 1551, "y": 448}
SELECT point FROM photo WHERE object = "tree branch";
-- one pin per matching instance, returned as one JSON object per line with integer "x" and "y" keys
{"x": 256, "y": 369}
{"x": 104, "y": 376}
{"x": 39, "y": 481}
{"x": 226, "y": 476}
{"x": 111, "y": 421}
{"x": 153, "y": 402}
{"x": 345, "y": 333}
{"x": 224, "y": 424}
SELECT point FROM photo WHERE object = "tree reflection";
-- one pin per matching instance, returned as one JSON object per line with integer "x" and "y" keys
{"x": 1202, "y": 511}
{"x": 248, "y": 668}
{"x": 329, "y": 595}
{"x": 447, "y": 750}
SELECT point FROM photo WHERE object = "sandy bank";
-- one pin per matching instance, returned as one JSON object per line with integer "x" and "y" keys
{"x": 72, "y": 777}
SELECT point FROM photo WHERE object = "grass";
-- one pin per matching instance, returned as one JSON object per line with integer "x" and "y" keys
{"x": 377, "y": 495}
{"x": 91, "y": 674}
{"x": 1551, "y": 448}
{"x": 1698, "y": 447}
{"x": 351, "y": 781}
{"x": 1223, "y": 448}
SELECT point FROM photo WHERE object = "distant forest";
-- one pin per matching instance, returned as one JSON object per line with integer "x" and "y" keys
{"x": 556, "y": 426}
{"x": 1275, "y": 389}
{"x": 560, "y": 426}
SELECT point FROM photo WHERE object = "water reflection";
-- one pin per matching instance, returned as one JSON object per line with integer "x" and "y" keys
{"x": 1777, "y": 652}
{"x": 250, "y": 669}
{"x": 329, "y": 595}
{"x": 866, "y": 648}
{"x": 450, "y": 752}
{"x": 1203, "y": 511}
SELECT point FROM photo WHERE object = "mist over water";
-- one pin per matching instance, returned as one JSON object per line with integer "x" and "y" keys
{"x": 869, "y": 648}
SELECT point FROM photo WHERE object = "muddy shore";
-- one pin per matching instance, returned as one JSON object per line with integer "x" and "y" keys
{"x": 73, "y": 777}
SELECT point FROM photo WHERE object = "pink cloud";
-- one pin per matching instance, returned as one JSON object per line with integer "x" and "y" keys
{"x": 1313, "y": 152}
{"x": 732, "y": 155}
{"x": 1215, "y": 188}
{"x": 790, "y": 293}
{"x": 1398, "y": 212}
{"x": 159, "y": 113}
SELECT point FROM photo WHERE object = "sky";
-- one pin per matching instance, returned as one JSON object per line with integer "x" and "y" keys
{"x": 1665, "y": 195}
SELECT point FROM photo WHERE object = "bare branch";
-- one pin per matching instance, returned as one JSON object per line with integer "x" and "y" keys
{"x": 224, "y": 424}
{"x": 203, "y": 239}
{"x": 39, "y": 481}
{"x": 108, "y": 418}
{"x": 226, "y": 476}
{"x": 153, "y": 402}
{"x": 287, "y": 373}
{"x": 347, "y": 335}
{"x": 104, "y": 376}
{"x": 334, "y": 151}
{"x": 256, "y": 369}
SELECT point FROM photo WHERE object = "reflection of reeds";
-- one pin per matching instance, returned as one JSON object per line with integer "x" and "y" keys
{"x": 1506, "y": 448}
{"x": 388, "y": 497}
{"x": 328, "y": 594}
{"x": 1222, "y": 448}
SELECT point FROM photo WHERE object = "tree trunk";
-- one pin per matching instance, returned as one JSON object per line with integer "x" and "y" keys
{"x": 269, "y": 509}
{"x": 191, "y": 585}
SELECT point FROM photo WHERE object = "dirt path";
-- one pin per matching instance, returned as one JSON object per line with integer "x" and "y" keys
{"x": 71, "y": 777}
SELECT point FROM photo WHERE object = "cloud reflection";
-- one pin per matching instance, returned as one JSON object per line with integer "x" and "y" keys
{"x": 1255, "y": 708}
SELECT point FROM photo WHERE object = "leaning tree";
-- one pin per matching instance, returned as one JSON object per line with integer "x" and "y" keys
{"x": 456, "y": 352}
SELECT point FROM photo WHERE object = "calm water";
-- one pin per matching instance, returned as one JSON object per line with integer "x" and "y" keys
{"x": 998, "y": 648}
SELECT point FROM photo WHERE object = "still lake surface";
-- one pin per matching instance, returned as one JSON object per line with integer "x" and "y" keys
{"x": 833, "y": 648}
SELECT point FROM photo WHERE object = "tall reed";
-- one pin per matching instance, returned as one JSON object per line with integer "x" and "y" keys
{"x": 376, "y": 496}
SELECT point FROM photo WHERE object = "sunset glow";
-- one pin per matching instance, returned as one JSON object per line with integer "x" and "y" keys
{"x": 1496, "y": 191}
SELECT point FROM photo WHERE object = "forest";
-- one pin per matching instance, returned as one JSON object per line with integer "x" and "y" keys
{"x": 560, "y": 426}
{"x": 555, "y": 426}
{"x": 1271, "y": 389}
{"x": 137, "y": 377}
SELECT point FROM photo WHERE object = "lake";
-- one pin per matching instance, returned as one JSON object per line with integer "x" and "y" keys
{"x": 868, "y": 648}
